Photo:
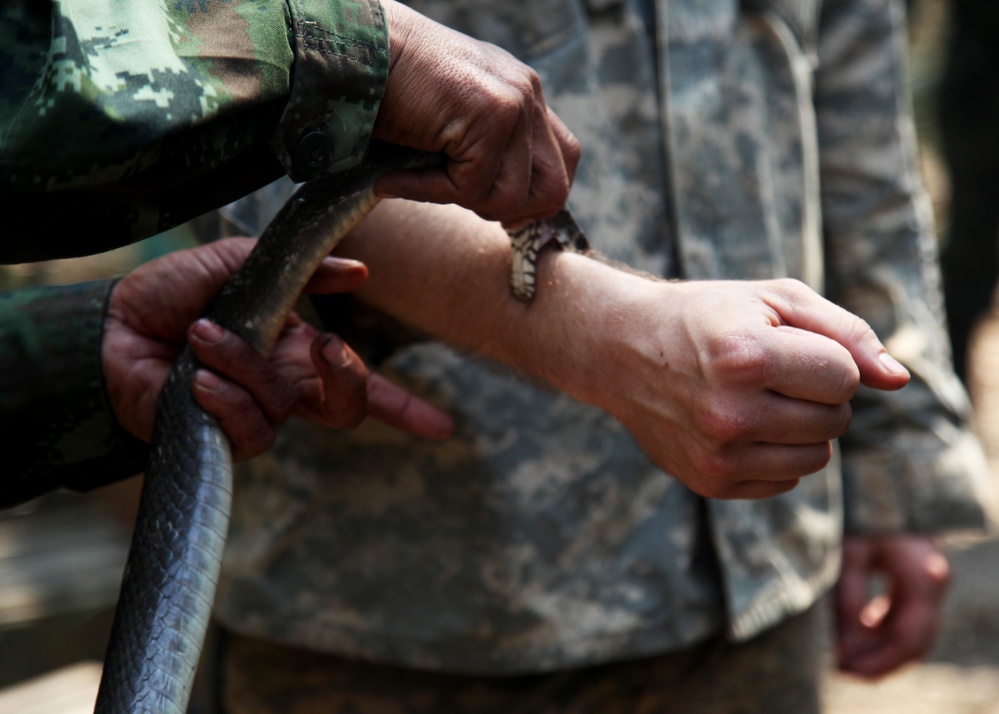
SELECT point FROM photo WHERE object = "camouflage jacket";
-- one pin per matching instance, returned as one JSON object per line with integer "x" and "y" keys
{"x": 120, "y": 120}
{"x": 763, "y": 139}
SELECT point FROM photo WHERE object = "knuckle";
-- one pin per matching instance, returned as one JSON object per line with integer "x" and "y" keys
{"x": 525, "y": 84}
{"x": 788, "y": 291}
{"x": 738, "y": 358}
{"x": 508, "y": 107}
{"x": 534, "y": 79}
{"x": 859, "y": 331}
{"x": 790, "y": 285}
{"x": 849, "y": 384}
{"x": 938, "y": 571}
{"x": 572, "y": 150}
{"x": 816, "y": 458}
{"x": 716, "y": 469}
{"x": 453, "y": 137}
{"x": 722, "y": 424}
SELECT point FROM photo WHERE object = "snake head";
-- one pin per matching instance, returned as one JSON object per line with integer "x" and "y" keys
{"x": 528, "y": 240}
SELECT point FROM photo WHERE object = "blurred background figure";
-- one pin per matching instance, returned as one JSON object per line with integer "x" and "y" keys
{"x": 968, "y": 114}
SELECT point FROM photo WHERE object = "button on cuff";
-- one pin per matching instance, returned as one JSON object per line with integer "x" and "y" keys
{"x": 313, "y": 154}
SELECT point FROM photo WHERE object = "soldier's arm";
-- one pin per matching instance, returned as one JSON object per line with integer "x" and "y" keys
{"x": 56, "y": 425}
{"x": 139, "y": 117}
{"x": 736, "y": 388}
{"x": 146, "y": 114}
{"x": 81, "y": 367}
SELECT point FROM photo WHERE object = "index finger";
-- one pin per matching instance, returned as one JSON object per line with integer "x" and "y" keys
{"x": 402, "y": 410}
{"x": 806, "y": 309}
{"x": 811, "y": 366}
{"x": 554, "y": 158}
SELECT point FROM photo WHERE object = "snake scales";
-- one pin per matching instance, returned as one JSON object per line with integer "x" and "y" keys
{"x": 173, "y": 564}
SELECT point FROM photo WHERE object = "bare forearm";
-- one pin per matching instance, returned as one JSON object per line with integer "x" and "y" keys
{"x": 446, "y": 272}
{"x": 736, "y": 388}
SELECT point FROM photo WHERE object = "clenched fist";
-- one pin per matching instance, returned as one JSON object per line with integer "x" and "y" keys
{"x": 510, "y": 158}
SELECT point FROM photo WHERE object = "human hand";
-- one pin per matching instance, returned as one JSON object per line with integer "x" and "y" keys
{"x": 311, "y": 375}
{"x": 736, "y": 388}
{"x": 510, "y": 158}
{"x": 877, "y": 635}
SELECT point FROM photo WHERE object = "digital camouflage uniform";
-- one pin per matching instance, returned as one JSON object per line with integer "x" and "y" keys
{"x": 764, "y": 139}
{"x": 119, "y": 120}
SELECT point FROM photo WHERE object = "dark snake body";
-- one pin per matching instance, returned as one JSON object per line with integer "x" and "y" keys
{"x": 176, "y": 553}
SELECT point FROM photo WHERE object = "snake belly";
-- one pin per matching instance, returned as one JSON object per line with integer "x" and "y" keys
{"x": 170, "y": 577}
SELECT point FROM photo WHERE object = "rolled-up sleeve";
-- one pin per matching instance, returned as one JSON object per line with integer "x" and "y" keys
{"x": 139, "y": 116}
{"x": 341, "y": 61}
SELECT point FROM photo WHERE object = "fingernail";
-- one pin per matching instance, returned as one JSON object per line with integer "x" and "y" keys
{"x": 343, "y": 263}
{"x": 208, "y": 381}
{"x": 207, "y": 331}
{"x": 335, "y": 352}
{"x": 891, "y": 364}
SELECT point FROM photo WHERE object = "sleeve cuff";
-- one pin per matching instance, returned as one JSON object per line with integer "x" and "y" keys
{"x": 341, "y": 51}
{"x": 931, "y": 489}
{"x": 54, "y": 410}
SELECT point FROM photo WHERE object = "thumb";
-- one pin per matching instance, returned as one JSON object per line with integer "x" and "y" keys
{"x": 878, "y": 369}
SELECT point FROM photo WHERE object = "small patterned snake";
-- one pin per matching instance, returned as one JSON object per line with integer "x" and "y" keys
{"x": 175, "y": 557}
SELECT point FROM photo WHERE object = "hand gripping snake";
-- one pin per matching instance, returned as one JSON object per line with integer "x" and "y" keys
{"x": 175, "y": 557}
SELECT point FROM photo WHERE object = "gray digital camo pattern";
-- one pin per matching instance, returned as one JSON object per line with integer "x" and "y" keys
{"x": 175, "y": 108}
{"x": 540, "y": 537}
{"x": 780, "y": 672}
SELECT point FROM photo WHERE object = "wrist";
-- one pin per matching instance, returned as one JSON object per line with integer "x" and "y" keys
{"x": 398, "y": 29}
{"x": 586, "y": 316}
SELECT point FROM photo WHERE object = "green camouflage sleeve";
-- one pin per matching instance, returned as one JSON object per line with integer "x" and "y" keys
{"x": 56, "y": 424}
{"x": 911, "y": 463}
{"x": 139, "y": 116}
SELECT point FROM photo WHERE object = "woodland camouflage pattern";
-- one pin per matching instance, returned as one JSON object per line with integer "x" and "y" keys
{"x": 540, "y": 538}
{"x": 119, "y": 120}
{"x": 55, "y": 418}
{"x": 184, "y": 105}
